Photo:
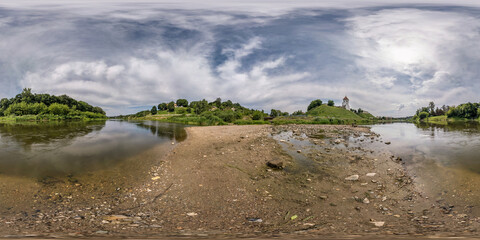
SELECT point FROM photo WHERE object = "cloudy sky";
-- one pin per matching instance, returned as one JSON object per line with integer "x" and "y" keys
{"x": 389, "y": 57}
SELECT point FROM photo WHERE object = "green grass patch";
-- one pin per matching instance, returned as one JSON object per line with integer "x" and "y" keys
{"x": 329, "y": 112}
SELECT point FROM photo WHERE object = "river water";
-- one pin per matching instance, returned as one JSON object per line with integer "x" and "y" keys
{"x": 66, "y": 148}
{"x": 444, "y": 160}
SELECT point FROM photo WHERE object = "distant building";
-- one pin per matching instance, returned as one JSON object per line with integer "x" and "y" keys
{"x": 345, "y": 103}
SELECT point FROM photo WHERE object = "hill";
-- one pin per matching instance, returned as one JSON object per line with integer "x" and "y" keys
{"x": 366, "y": 115}
{"x": 333, "y": 112}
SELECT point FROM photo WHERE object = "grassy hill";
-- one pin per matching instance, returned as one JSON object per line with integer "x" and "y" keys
{"x": 366, "y": 115}
{"x": 325, "y": 111}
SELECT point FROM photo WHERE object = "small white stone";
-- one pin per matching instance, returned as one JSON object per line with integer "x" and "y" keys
{"x": 371, "y": 174}
{"x": 365, "y": 200}
{"x": 378, "y": 224}
{"x": 352, "y": 178}
{"x": 192, "y": 214}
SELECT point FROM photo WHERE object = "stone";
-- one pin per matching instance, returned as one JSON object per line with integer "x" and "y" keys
{"x": 275, "y": 164}
{"x": 156, "y": 178}
{"x": 115, "y": 218}
{"x": 299, "y": 151}
{"x": 323, "y": 197}
{"x": 101, "y": 232}
{"x": 371, "y": 174}
{"x": 352, "y": 178}
{"x": 192, "y": 214}
{"x": 378, "y": 224}
{"x": 365, "y": 200}
{"x": 388, "y": 143}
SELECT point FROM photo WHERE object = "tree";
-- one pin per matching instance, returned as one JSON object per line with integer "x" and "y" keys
{"x": 431, "y": 107}
{"x": 182, "y": 103}
{"x": 162, "y": 107}
{"x": 154, "y": 110}
{"x": 257, "y": 115}
{"x": 330, "y": 103}
{"x": 275, "y": 113}
{"x": 171, "y": 106}
{"x": 299, "y": 112}
{"x": 218, "y": 102}
{"x": 314, "y": 104}
{"x": 423, "y": 115}
{"x": 360, "y": 110}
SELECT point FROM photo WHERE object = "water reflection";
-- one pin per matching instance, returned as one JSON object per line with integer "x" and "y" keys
{"x": 71, "y": 147}
{"x": 452, "y": 145}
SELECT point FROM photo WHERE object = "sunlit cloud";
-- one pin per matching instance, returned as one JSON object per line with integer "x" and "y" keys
{"x": 126, "y": 57}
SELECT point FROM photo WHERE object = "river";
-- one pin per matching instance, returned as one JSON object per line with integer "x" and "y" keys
{"x": 443, "y": 160}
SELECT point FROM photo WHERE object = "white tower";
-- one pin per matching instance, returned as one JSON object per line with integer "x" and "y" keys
{"x": 345, "y": 103}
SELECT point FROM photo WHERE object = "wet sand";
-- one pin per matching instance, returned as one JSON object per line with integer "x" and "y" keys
{"x": 224, "y": 181}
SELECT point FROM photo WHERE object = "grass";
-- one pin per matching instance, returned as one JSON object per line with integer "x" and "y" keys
{"x": 329, "y": 112}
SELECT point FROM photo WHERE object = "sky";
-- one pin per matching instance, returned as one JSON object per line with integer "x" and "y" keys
{"x": 389, "y": 57}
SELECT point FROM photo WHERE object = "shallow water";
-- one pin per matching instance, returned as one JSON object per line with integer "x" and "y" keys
{"x": 65, "y": 148}
{"x": 444, "y": 160}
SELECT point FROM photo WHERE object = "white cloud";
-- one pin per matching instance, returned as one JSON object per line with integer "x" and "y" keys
{"x": 422, "y": 46}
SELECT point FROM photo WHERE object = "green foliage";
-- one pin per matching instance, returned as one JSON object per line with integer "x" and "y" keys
{"x": 314, "y": 104}
{"x": 23, "y": 108}
{"x": 277, "y": 113}
{"x": 331, "y": 103}
{"x": 182, "y": 103}
{"x": 171, "y": 106}
{"x": 154, "y": 110}
{"x": 27, "y": 103}
{"x": 257, "y": 115}
{"x": 466, "y": 110}
{"x": 162, "y": 107}
{"x": 58, "y": 109}
{"x": 298, "y": 113}
{"x": 423, "y": 115}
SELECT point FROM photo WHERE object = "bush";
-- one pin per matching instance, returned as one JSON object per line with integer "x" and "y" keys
{"x": 330, "y": 103}
{"x": 423, "y": 115}
{"x": 257, "y": 115}
{"x": 314, "y": 104}
{"x": 58, "y": 109}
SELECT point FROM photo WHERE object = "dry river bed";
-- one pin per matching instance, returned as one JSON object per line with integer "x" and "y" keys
{"x": 244, "y": 181}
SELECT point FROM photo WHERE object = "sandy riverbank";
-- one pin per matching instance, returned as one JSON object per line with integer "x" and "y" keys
{"x": 218, "y": 182}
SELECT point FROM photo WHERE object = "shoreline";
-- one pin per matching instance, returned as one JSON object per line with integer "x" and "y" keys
{"x": 217, "y": 182}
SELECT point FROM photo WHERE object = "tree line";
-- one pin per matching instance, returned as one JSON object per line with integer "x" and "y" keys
{"x": 28, "y": 103}
{"x": 465, "y": 110}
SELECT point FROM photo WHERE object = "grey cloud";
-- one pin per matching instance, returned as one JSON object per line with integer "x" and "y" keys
{"x": 139, "y": 55}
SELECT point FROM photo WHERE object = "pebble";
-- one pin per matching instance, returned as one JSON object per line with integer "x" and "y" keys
{"x": 192, "y": 214}
{"x": 352, "y": 178}
{"x": 365, "y": 200}
{"x": 378, "y": 224}
{"x": 371, "y": 174}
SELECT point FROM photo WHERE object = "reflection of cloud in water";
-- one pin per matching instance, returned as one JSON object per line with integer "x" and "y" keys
{"x": 99, "y": 147}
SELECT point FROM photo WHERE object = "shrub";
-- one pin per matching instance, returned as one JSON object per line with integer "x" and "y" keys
{"x": 423, "y": 115}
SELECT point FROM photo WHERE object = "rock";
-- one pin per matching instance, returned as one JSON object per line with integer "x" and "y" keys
{"x": 115, "y": 217}
{"x": 338, "y": 141}
{"x": 255, "y": 220}
{"x": 365, "y": 200}
{"x": 371, "y": 174}
{"x": 352, "y": 178}
{"x": 156, "y": 178}
{"x": 388, "y": 143}
{"x": 192, "y": 214}
{"x": 101, "y": 232}
{"x": 378, "y": 224}
{"x": 275, "y": 164}
{"x": 323, "y": 197}
{"x": 299, "y": 151}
